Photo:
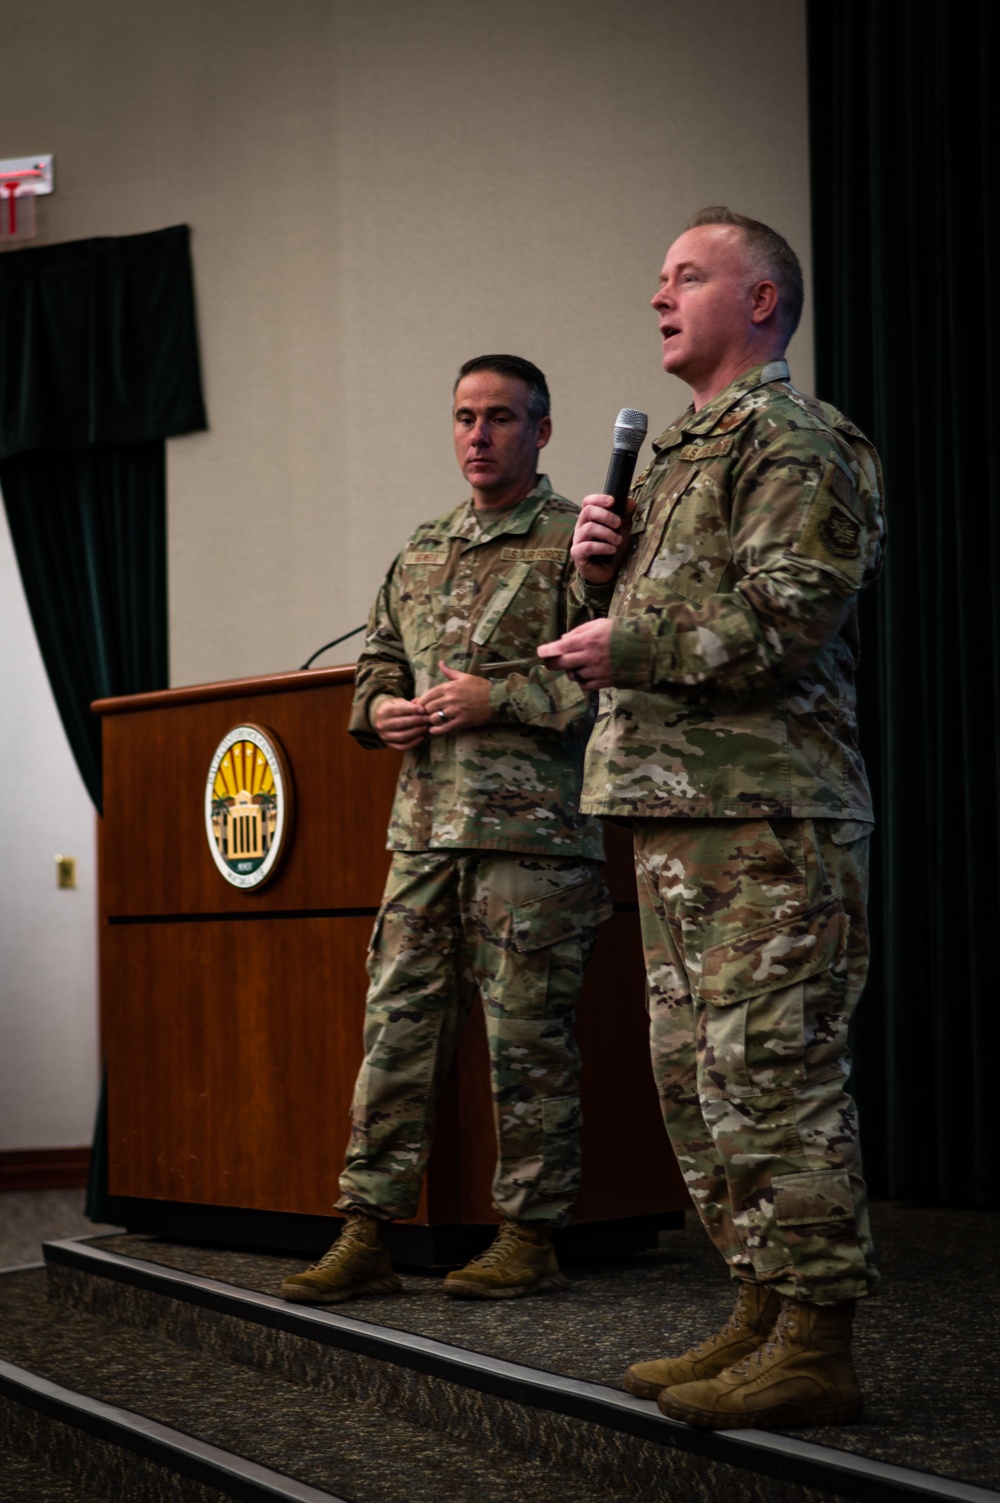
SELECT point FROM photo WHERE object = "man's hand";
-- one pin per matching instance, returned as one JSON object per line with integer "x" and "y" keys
{"x": 457, "y": 705}
{"x": 600, "y": 539}
{"x": 584, "y": 653}
{"x": 402, "y": 723}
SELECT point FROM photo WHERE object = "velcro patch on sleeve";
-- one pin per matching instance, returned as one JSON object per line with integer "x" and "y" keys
{"x": 713, "y": 449}
{"x": 841, "y": 532}
{"x": 533, "y": 555}
{"x": 832, "y": 530}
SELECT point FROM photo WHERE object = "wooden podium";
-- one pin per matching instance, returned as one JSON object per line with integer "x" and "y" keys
{"x": 232, "y": 1020}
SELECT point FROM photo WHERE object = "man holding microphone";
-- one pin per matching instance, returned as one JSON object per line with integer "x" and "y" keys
{"x": 724, "y": 641}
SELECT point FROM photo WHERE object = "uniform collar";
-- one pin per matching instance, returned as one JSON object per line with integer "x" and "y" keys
{"x": 711, "y": 417}
{"x": 519, "y": 519}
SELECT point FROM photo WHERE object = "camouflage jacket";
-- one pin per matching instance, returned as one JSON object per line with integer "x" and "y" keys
{"x": 475, "y": 592}
{"x": 735, "y": 636}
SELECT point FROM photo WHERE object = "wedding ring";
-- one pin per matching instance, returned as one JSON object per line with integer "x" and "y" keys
{"x": 442, "y": 715}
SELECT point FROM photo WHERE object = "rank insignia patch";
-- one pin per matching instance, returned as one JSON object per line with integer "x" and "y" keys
{"x": 840, "y": 532}
{"x": 714, "y": 449}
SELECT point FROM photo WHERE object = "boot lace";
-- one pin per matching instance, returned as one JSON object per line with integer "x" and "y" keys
{"x": 501, "y": 1248}
{"x": 340, "y": 1248}
{"x": 777, "y": 1340}
{"x": 738, "y": 1316}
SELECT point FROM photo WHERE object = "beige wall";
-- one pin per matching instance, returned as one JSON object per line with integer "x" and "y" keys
{"x": 48, "y": 937}
{"x": 376, "y": 191}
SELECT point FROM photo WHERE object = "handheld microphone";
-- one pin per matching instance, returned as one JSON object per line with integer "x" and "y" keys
{"x": 630, "y": 430}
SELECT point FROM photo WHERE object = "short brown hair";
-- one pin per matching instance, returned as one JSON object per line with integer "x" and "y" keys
{"x": 513, "y": 365}
{"x": 772, "y": 256}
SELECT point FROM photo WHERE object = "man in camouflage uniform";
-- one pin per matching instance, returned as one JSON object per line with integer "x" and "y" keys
{"x": 725, "y": 641}
{"x": 495, "y": 882}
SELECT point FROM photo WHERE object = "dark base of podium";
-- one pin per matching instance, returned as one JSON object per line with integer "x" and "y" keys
{"x": 410, "y": 1246}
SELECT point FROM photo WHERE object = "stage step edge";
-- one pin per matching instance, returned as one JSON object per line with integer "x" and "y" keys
{"x": 783, "y": 1457}
{"x": 179, "y": 1454}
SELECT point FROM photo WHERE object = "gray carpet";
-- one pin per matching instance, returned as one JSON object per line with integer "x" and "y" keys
{"x": 27, "y": 1219}
{"x": 30, "y": 1217}
{"x": 352, "y": 1448}
{"x": 25, "y": 1481}
{"x": 925, "y": 1348}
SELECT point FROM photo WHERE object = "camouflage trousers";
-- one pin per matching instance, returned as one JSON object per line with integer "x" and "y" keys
{"x": 518, "y": 930}
{"x": 756, "y": 945}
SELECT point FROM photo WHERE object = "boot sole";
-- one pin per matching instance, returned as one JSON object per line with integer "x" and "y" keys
{"x": 299, "y": 1296}
{"x": 549, "y": 1284}
{"x": 781, "y": 1417}
{"x": 641, "y": 1389}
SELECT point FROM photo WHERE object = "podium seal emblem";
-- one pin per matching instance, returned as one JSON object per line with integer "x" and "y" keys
{"x": 248, "y": 805}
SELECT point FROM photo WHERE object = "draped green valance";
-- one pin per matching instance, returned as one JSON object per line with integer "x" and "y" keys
{"x": 98, "y": 343}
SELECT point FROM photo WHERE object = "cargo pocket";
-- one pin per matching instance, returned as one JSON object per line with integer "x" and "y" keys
{"x": 808, "y": 1233}
{"x": 559, "y": 915}
{"x": 847, "y": 831}
{"x": 812, "y": 1197}
{"x": 538, "y": 1165}
{"x": 560, "y": 1180}
{"x": 752, "y": 988}
{"x": 548, "y": 943}
{"x": 816, "y": 1224}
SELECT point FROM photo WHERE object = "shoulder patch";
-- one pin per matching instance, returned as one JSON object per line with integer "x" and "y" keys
{"x": 841, "y": 532}
{"x": 714, "y": 448}
{"x": 534, "y": 555}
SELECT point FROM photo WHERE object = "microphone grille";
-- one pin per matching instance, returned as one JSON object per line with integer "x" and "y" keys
{"x": 630, "y": 429}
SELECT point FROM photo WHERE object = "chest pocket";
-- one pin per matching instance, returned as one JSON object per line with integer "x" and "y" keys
{"x": 689, "y": 552}
{"x": 500, "y": 602}
{"x": 651, "y": 519}
{"x": 423, "y": 595}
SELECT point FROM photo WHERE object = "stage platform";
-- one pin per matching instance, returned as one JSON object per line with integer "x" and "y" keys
{"x": 517, "y": 1399}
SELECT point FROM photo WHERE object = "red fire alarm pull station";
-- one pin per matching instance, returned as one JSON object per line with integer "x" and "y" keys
{"x": 22, "y": 179}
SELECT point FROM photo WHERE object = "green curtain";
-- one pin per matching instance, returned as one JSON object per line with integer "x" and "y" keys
{"x": 905, "y": 256}
{"x": 98, "y": 343}
{"x": 98, "y": 366}
{"x": 89, "y": 532}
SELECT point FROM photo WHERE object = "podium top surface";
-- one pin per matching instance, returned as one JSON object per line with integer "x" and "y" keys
{"x": 237, "y": 688}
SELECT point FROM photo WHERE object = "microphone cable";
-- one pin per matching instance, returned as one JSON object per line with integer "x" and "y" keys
{"x": 335, "y": 643}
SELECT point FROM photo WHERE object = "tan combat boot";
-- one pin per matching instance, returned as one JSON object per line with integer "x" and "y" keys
{"x": 521, "y": 1260}
{"x": 357, "y": 1263}
{"x": 748, "y": 1327}
{"x": 802, "y": 1375}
